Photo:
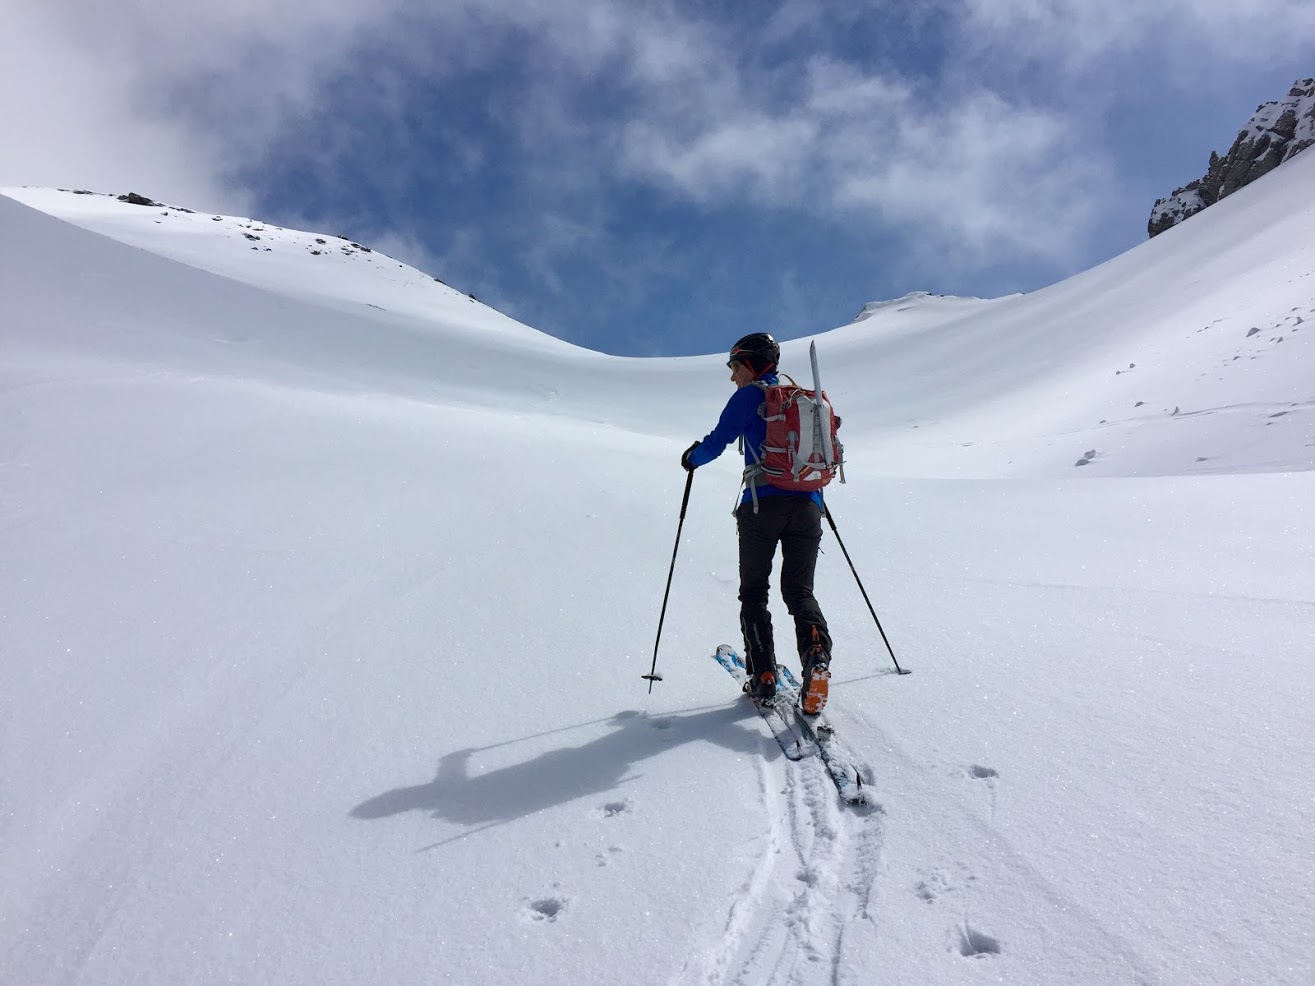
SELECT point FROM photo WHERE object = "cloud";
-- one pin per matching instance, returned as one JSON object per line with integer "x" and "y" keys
{"x": 971, "y": 170}
{"x": 66, "y": 122}
{"x": 981, "y": 173}
{"x": 170, "y": 96}
{"x": 1075, "y": 33}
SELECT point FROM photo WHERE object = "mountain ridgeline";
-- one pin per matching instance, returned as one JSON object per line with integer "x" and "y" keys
{"x": 1276, "y": 132}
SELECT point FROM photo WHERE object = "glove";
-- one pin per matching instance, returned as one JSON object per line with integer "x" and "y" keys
{"x": 684, "y": 459}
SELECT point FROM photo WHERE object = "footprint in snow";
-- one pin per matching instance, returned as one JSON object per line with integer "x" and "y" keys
{"x": 612, "y": 809}
{"x": 544, "y": 909}
{"x": 982, "y": 773}
{"x": 931, "y": 888}
{"x": 940, "y": 882}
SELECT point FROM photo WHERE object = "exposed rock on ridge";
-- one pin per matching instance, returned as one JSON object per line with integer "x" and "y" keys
{"x": 1275, "y": 132}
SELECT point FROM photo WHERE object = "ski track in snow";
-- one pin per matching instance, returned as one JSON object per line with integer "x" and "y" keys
{"x": 810, "y": 887}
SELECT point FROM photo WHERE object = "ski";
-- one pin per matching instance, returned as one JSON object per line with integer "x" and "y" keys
{"x": 782, "y": 725}
{"x": 808, "y": 734}
{"x": 840, "y": 763}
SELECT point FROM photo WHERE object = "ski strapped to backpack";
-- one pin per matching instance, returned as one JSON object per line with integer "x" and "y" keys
{"x": 801, "y": 452}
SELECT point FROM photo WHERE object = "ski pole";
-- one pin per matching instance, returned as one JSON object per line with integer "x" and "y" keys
{"x": 831, "y": 521}
{"x": 652, "y": 675}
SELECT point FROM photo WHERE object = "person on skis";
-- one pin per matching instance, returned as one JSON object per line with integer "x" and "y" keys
{"x": 765, "y": 517}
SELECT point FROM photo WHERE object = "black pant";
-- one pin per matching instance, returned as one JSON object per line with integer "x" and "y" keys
{"x": 796, "y": 522}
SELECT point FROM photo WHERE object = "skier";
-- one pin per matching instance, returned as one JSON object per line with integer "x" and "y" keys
{"x": 768, "y": 515}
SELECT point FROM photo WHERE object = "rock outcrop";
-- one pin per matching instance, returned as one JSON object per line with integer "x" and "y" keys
{"x": 1275, "y": 132}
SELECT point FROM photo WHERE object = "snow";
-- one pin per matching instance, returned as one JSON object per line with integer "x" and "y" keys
{"x": 328, "y": 592}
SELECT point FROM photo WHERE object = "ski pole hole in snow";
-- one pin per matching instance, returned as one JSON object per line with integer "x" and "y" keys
{"x": 973, "y": 943}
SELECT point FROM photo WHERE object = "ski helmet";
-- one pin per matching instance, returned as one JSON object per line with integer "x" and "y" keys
{"x": 758, "y": 351}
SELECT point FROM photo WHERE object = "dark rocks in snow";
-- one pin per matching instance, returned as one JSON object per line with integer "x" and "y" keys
{"x": 1276, "y": 132}
{"x": 1253, "y": 331}
{"x": 132, "y": 198}
{"x": 251, "y": 236}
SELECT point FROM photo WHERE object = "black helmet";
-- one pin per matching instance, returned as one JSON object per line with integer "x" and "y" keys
{"x": 758, "y": 351}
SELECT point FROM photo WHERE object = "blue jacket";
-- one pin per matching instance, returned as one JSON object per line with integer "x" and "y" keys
{"x": 741, "y": 417}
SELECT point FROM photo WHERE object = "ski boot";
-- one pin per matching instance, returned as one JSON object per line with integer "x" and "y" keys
{"x": 817, "y": 677}
{"x": 762, "y": 688}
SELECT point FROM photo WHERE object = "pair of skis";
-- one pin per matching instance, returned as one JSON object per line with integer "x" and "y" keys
{"x": 798, "y": 735}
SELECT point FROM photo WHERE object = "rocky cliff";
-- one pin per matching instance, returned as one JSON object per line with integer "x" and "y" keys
{"x": 1275, "y": 132}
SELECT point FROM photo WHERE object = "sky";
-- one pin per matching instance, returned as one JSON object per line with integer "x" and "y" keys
{"x": 658, "y": 178}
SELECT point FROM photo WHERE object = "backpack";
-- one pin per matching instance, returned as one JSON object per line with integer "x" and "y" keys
{"x": 802, "y": 452}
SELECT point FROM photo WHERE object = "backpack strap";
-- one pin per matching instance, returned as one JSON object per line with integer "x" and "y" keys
{"x": 750, "y": 480}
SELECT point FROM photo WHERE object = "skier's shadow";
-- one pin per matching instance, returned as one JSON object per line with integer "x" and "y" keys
{"x": 567, "y": 773}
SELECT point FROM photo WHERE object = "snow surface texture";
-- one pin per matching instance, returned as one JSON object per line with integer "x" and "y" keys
{"x": 327, "y": 591}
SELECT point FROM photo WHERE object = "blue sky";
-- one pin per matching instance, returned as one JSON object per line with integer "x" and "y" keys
{"x": 659, "y": 178}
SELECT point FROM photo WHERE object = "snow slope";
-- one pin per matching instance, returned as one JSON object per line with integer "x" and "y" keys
{"x": 322, "y": 623}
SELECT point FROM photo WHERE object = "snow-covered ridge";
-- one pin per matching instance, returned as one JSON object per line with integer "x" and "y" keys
{"x": 922, "y": 302}
{"x": 1176, "y": 358}
{"x": 323, "y": 267}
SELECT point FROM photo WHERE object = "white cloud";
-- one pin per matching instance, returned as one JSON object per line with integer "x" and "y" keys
{"x": 66, "y": 123}
{"x": 164, "y": 97}
{"x": 750, "y": 156}
{"x": 969, "y": 171}
{"x": 1073, "y": 33}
